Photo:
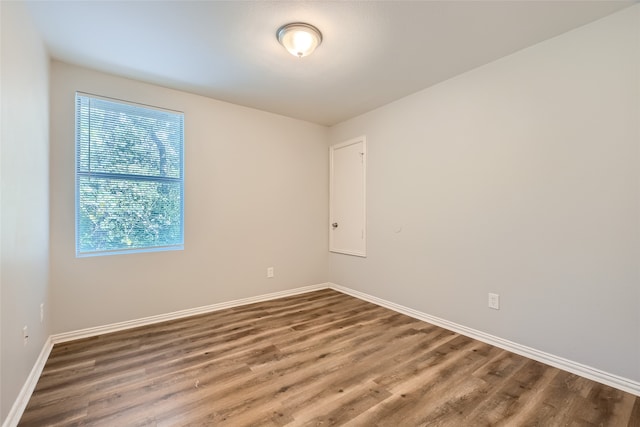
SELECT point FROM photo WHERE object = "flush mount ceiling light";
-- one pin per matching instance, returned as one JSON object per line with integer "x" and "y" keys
{"x": 299, "y": 39}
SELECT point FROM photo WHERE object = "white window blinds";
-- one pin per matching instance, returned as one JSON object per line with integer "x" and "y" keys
{"x": 129, "y": 177}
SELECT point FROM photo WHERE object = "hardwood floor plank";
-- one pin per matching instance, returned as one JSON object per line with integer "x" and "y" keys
{"x": 502, "y": 404}
{"x": 345, "y": 405}
{"x": 321, "y": 358}
{"x": 634, "y": 418}
{"x": 61, "y": 412}
{"x": 604, "y": 406}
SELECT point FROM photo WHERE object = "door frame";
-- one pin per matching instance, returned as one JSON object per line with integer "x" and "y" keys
{"x": 360, "y": 139}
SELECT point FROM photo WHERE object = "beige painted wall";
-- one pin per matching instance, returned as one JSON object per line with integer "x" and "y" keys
{"x": 520, "y": 178}
{"x": 255, "y": 197}
{"x": 24, "y": 204}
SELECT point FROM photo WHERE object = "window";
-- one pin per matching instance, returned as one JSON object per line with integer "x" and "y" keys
{"x": 129, "y": 177}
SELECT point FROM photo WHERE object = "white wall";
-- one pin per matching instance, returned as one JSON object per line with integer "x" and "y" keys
{"x": 255, "y": 197}
{"x": 24, "y": 174}
{"x": 521, "y": 178}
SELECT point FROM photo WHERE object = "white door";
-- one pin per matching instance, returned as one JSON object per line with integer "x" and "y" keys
{"x": 347, "y": 232}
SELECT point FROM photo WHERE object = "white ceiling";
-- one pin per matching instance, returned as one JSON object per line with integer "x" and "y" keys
{"x": 373, "y": 52}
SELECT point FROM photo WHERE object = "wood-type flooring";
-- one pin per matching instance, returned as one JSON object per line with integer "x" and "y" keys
{"x": 316, "y": 359}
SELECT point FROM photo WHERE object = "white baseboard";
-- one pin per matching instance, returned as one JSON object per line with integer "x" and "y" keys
{"x": 16, "y": 411}
{"x": 114, "y": 327}
{"x": 585, "y": 371}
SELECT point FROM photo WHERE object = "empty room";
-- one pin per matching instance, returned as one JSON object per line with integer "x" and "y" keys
{"x": 311, "y": 213}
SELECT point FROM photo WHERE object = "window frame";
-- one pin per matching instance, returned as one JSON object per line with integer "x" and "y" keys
{"x": 78, "y": 174}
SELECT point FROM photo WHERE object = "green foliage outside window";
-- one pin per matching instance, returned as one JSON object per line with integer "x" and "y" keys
{"x": 129, "y": 177}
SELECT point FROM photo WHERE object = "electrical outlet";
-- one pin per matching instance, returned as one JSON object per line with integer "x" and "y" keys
{"x": 494, "y": 301}
{"x": 25, "y": 335}
{"x": 41, "y": 312}
{"x": 270, "y": 273}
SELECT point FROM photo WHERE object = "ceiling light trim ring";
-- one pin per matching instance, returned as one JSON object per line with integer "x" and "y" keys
{"x": 299, "y": 38}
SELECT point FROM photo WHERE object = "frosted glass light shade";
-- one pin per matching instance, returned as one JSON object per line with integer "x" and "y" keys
{"x": 299, "y": 39}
